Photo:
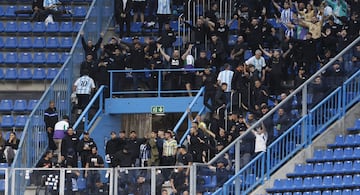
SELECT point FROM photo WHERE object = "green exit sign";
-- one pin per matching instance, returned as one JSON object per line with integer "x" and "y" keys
{"x": 157, "y": 109}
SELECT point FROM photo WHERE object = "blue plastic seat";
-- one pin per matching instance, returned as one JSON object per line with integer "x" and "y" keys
{"x": 7, "y": 121}
{"x": 339, "y": 141}
{"x": 348, "y": 153}
{"x": 66, "y": 27}
{"x": 1, "y": 42}
{"x": 346, "y": 192}
{"x": 2, "y": 28}
{"x": 347, "y": 181}
{"x": 20, "y": 105}
{"x": 51, "y": 73}
{"x": 326, "y": 192}
{"x": 25, "y": 8}
{"x": 66, "y": 42}
{"x": 356, "y": 180}
{"x": 232, "y": 40}
{"x": 11, "y": 43}
{"x": 31, "y": 105}
{"x": 336, "y": 192}
{"x": 2, "y": 185}
{"x": 11, "y": 27}
{"x": 20, "y": 121}
{"x": 328, "y": 168}
{"x": 318, "y": 168}
{"x": 53, "y": 58}
{"x": 307, "y": 182}
{"x": 338, "y": 167}
{"x": 178, "y": 42}
{"x": 337, "y": 181}
{"x": 79, "y": 12}
{"x": 39, "y": 58}
{"x": 39, "y": 27}
{"x": 297, "y": 183}
{"x": 356, "y": 126}
{"x": 25, "y": 58}
{"x": 39, "y": 42}
{"x": 356, "y": 153}
{"x": 2, "y": 12}
{"x": 308, "y": 169}
{"x": 278, "y": 184}
{"x": 6, "y": 105}
{"x": 328, "y": 155}
{"x": 52, "y": 43}
{"x": 81, "y": 182}
{"x": 64, "y": 57}
{"x": 338, "y": 154}
{"x": 318, "y": 154}
{"x": 357, "y": 139}
{"x": 135, "y": 27}
{"x": 25, "y": 27}
{"x": 234, "y": 25}
{"x": 174, "y": 25}
{"x": 248, "y": 54}
{"x": 25, "y": 43}
{"x": 356, "y": 192}
{"x": 10, "y": 11}
{"x": 11, "y": 58}
{"x": 349, "y": 140}
{"x": 1, "y": 73}
{"x": 77, "y": 26}
{"x": 11, "y": 74}
{"x": 52, "y": 27}
{"x": 39, "y": 74}
{"x": 316, "y": 183}
{"x": 24, "y": 74}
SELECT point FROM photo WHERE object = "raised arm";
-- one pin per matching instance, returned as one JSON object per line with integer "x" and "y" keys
{"x": 264, "y": 51}
{"x": 276, "y": 5}
{"x": 167, "y": 57}
{"x": 187, "y": 52}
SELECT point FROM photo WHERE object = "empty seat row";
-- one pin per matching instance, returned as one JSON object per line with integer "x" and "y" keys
{"x": 9, "y": 11}
{"x": 8, "y": 121}
{"x": 345, "y": 141}
{"x": 40, "y": 27}
{"x": 7, "y": 105}
{"x": 324, "y": 192}
{"x": 36, "y": 43}
{"x": 28, "y": 73}
{"x": 316, "y": 183}
{"x": 336, "y": 154}
{"x": 327, "y": 168}
{"x": 36, "y": 58}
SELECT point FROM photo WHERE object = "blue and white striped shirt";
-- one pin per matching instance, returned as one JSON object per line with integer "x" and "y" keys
{"x": 163, "y": 7}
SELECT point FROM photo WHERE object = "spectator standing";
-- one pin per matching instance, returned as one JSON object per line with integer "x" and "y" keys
{"x": 133, "y": 144}
{"x": 59, "y": 132}
{"x": 259, "y": 63}
{"x": 226, "y": 76}
{"x": 51, "y": 8}
{"x": 83, "y": 87}
{"x": 163, "y": 12}
{"x": 84, "y": 147}
{"x": 169, "y": 152}
{"x": 69, "y": 152}
{"x": 283, "y": 122}
{"x": 218, "y": 52}
{"x": 200, "y": 30}
{"x": 261, "y": 138}
{"x": 196, "y": 145}
{"x": 93, "y": 180}
{"x": 139, "y": 9}
{"x": 179, "y": 181}
{"x": 50, "y": 119}
{"x": 89, "y": 64}
{"x": 222, "y": 170}
{"x": 286, "y": 17}
{"x": 240, "y": 86}
{"x": 154, "y": 151}
{"x": 38, "y": 9}
{"x": 111, "y": 148}
{"x": 238, "y": 51}
{"x": 209, "y": 81}
{"x": 89, "y": 47}
{"x": 201, "y": 62}
{"x": 122, "y": 15}
{"x": 167, "y": 38}
{"x": 11, "y": 147}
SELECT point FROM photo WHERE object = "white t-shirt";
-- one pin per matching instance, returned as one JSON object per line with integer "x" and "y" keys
{"x": 260, "y": 142}
{"x": 84, "y": 85}
{"x": 61, "y": 125}
{"x": 226, "y": 76}
{"x": 258, "y": 63}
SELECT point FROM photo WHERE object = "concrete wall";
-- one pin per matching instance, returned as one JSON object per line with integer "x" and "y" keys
{"x": 320, "y": 142}
{"x": 141, "y": 123}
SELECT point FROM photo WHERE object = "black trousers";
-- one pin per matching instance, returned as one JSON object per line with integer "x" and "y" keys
{"x": 123, "y": 21}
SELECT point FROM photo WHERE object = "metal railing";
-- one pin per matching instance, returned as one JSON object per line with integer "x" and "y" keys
{"x": 316, "y": 115}
{"x": 86, "y": 119}
{"x": 153, "y": 87}
{"x": 34, "y": 140}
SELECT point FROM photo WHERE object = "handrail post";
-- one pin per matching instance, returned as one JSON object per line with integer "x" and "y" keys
{"x": 159, "y": 82}
{"x": 111, "y": 84}
{"x": 153, "y": 180}
{"x": 237, "y": 166}
{"x": 304, "y": 111}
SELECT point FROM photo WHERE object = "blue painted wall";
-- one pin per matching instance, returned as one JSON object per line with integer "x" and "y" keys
{"x": 143, "y": 105}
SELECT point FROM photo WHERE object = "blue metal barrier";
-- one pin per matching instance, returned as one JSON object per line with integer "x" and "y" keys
{"x": 96, "y": 102}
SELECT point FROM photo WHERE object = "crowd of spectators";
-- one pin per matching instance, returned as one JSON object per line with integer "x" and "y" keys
{"x": 268, "y": 60}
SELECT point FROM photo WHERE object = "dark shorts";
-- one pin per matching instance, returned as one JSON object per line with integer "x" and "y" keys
{"x": 139, "y": 6}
